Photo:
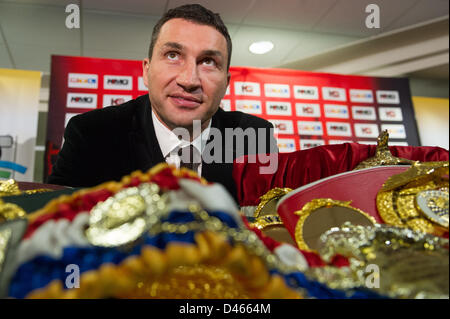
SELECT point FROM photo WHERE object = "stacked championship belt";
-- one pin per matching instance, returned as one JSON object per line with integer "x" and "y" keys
{"x": 382, "y": 226}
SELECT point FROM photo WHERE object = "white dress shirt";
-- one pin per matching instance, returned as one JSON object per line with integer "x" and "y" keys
{"x": 170, "y": 144}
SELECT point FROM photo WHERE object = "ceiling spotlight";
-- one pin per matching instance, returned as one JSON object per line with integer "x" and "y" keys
{"x": 260, "y": 47}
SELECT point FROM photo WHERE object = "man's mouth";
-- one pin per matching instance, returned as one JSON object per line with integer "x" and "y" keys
{"x": 185, "y": 101}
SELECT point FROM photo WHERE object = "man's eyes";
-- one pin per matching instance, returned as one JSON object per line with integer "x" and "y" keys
{"x": 173, "y": 56}
{"x": 209, "y": 62}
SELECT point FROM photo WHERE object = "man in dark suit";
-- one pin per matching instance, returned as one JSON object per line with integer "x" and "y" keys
{"x": 187, "y": 74}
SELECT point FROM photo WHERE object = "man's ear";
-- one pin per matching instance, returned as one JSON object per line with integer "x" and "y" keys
{"x": 145, "y": 69}
{"x": 228, "y": 78}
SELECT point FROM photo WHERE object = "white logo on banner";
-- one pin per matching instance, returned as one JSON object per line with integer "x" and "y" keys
{"x": 306, "y": 144}
{"x": 366, "y": 130}
{"x": 141, "y": 85}
{"x": 117, "y": 82}
{"x": 338, "y": 129}
{"x": 286, "y": 145}
{"x": 82, "y": 80}
{"x": 370, "y": 142}
{"x": 278, "y": 108}
{"x": 361, "y": 96}
{"x": 307, "y": 109}
{"x": 225, "y": 105}
{"x": 332, "y": 142}
{"x": 277, "y": 90}
{"x": 249, "y": 106}
{"x": 282, "y": 126}
{"x": 109, "y": 99}
{"x": 309, "y": 128}
{"x": 364, "y": 113}
{"x": 306, "y": 92}
{"x": 388, "y": 97}
{"x": 394, "y": 130}
{"x": 336, "y": 111}
{"x": 82, "y": 100}
{"x": 247, "y": 88}
{"x": 68, "y": 117}
{"x": 398, "y": 143}
{"x": 334, "y": 94}
{"x": 390, "y": 114}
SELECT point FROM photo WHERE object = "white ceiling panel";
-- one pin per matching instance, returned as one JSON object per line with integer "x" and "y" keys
{"x": 348, "y": 16}
{"x": 424, "y": 10}
{"x": 117, "y": 32}
{"x": 292, "y": 14}
{"x": 31, "y": 57}
{"x": 59, "y": 3}
{"x": 116, "y": 54}
{"x": 34, "y": 25}
{"x": 153, "y": 7}
{"x": 5, "y": 61}
{"x": 231, "y": 11}
{"x": 283, "y": 40}
{"x": 314, "y": 43}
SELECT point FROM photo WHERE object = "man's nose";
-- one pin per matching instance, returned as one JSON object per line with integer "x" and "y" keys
{"x": 188, "y": 78}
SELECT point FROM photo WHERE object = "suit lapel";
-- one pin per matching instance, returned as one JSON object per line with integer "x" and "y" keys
{"x": 219, "y": 172}
{"x": 144, "y": 147}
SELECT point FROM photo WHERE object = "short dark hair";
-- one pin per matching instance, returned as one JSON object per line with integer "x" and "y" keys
{"x": 195, "y": 13}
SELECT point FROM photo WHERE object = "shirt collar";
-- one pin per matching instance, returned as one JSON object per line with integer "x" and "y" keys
{"x": 169, "y": 141}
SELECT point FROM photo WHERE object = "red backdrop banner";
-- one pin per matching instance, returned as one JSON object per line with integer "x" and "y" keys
{"x": 307, "y": 109}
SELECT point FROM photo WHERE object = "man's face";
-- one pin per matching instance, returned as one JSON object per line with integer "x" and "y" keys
{"x": 187, "y": 75}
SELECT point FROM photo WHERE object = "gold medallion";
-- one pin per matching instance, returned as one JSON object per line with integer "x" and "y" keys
{"x": 396, "y": 262}
{"x": 417, "y": 198}
{"x": 322, "y": 214}
{"x": 126, "y": 216}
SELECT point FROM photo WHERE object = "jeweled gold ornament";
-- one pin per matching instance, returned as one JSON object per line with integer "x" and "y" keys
{"x": 126, "y": 216}
{"x": 402, "y": 263}
{"x": 417, "y": 198}
{"x": 383, "y": 155}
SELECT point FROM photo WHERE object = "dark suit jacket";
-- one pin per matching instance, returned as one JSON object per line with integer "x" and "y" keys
{"x": 107, "y": 144}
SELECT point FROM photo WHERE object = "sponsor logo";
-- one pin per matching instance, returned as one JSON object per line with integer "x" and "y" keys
{"x": 68, "y": 117}
{"x": 309, "y": 128}
{"x": 398, "y": 143}
{"x": 334, "y": 94}
{"x": 369, "y": 142}
{"x": 277, "y": 90}
{"x": 225, "y": 105}
{"x": 249, "y": 106}
{"x": 117, "y": 82}
{"x": 247, "y": 88}
{"x": 331, "y": 142}
{"x": 282, "y": 126}
{"x": 307, "y": 109}
{"x": 286, "y": 145}
{"x": 388, "y": 97}
{"x": 141, "y": 85}
{"x": 390, "y": 113}
{"x": 306, "y": 92}
{"x": 82, "y": 100}
{"x": 82, "y": 80}
{"x": 306, "y": 144}
{"x": 361, "y": 96}
{"x": 109, "y": 99}
{"x": 394, "y": 130}
{"x": 336, "y": 111}
{"x": 278, "y": 108}
{"x": 339, "y": 129}
{"x": 366, "y": 130}
{"x": 364, "y": 113}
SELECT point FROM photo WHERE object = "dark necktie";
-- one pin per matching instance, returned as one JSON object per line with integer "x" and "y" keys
{"x": 186, "y": 155}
